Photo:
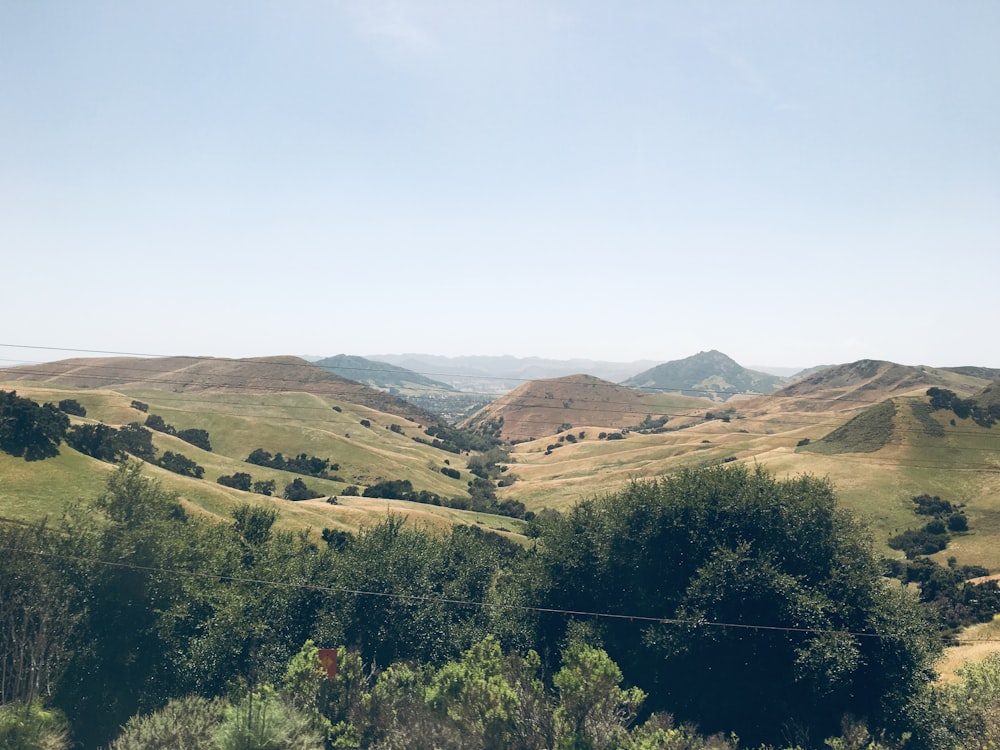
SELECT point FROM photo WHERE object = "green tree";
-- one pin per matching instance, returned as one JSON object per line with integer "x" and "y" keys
{"x": 95, "y": 440}
{"x": 30, "y": 431}
{"x": 594, "y": 712}
{"x": 72, "y": 406}
{"x": 198, "y": 438}
{"x": 181, "y": 464}
{"x": 766, "y": 603}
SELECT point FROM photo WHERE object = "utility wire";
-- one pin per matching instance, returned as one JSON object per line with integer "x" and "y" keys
{"x": 423, "y": 598}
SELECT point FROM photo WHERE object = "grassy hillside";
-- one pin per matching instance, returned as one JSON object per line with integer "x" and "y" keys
{"x": 238, "y": 423}
{"x": 868, "y": 427}
{"x": 877, "y": 459}
{"x": 543, "y": 408}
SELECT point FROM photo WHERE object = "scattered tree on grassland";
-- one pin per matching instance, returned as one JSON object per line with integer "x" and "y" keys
{"x": 30, "y": 431}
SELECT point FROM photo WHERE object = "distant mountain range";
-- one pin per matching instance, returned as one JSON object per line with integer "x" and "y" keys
{"x": 379, "y": 374}
{"x": 497, "y": 375}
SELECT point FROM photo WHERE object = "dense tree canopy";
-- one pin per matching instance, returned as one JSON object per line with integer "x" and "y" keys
{"x": 767, "y": 602}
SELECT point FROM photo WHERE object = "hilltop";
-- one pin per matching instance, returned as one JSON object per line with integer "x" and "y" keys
{"x": 868, "y": 381}
{"x": 709, "y": 374}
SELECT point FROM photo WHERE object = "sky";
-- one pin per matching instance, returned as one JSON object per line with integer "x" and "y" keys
{"x": 791, "y": 183}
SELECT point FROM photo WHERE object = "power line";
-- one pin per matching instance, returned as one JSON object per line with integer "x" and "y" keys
{"x": 424, "y": 598}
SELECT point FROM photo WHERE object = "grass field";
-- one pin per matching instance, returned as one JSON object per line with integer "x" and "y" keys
{"x": 290, "y": 423}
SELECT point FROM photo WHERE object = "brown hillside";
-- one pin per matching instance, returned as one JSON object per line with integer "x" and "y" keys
{"x": 541, "y": 407}
{"x": 863, "y": 383}
{"x": 187, "y": 374}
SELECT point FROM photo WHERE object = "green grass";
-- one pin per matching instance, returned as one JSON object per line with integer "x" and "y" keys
{"x": 291, "y": 423}
{"x": 868, "y": 432}
{"x": 959, "y": 462}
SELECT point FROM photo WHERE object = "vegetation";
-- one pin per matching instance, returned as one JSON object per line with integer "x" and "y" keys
{"x": 300, "y": 464}
{"x": 869, "y": 431}
{"x": 73, "y": 407}
{"x": 30, "y": 431}
{"x": 196, "y": 437}
{"x": 730, "y": 599}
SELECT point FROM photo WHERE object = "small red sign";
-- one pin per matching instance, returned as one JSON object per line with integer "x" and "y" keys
{"x": 328, "y": 658}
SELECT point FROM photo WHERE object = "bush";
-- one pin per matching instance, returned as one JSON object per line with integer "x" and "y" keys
{"x": 183, "y": 722}
{"x": 140, "y": 406}
{"x": 32, "y": 726}
{"x": 452, "y": 473}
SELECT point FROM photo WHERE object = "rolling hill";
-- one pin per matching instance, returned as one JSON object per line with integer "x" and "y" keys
{"x": 868, "y": 426}
{"x": 707, "y": 374}
{"x": 547, "y": 407}
{"x": 200, "y": 374}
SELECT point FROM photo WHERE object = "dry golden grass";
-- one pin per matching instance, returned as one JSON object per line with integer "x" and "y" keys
{"x": 977, "y": 642}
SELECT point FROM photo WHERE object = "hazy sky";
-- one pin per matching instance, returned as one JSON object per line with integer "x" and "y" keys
{"x": 792, "y": 183}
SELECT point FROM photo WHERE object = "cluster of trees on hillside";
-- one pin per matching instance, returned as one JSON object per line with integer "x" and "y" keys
{"x": 723, "y": 597}
{"x": 947, "y": 590}
{"x": 963, "y": 408}
{"x": 34, "y": 432}
{"x": 303, "y": 463}
{"x": 195, "y": 436}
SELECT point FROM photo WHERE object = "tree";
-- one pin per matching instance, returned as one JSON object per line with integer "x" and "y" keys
{"x": 238, "y": 481}
{"x": 263, "y": 487}
{"x": 30, "y": 431}
{"x": 72, "y": 406}
{"x": 156, "y": 422}
{"x": 95, "y": 440}
{"x": 137, "y": 440}
{"x": 297, "y": 490}
{"x": 181, "y": 464}
{"x": 593, "y": 711}
{"x": 794, "y": 580}
{"x": 197, "y": 438}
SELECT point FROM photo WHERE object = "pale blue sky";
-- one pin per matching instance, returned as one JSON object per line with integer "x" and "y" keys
{"x": 791, "y": 183}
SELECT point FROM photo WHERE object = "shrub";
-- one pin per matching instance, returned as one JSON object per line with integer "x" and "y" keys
{"x": 183, "y": 722}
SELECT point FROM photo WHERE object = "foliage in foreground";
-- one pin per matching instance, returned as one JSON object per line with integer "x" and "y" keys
{"x": 729, "y": 600}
